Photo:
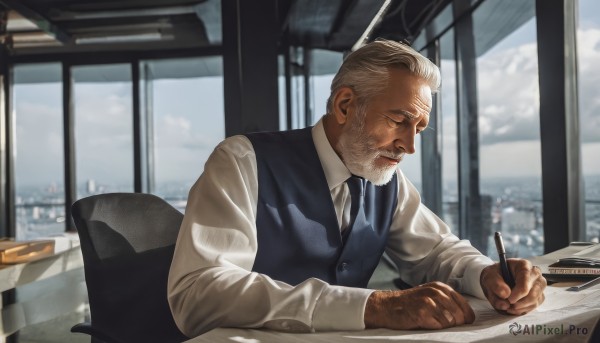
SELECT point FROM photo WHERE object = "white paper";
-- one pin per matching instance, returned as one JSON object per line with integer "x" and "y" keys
{"x": 564, "y": 317}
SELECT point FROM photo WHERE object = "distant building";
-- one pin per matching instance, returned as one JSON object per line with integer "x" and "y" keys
{"x": 91, "y": 186}
{"x": 518, "y": 220}
{"x": 35, "y": 213}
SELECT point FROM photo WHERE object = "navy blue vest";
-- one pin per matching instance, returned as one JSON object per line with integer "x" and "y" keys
{"x": 298, "y": 232}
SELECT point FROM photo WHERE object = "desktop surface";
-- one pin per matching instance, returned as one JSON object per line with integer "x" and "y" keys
{"x": 565, "y": 316}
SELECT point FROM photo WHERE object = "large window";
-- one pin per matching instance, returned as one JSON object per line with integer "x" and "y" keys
{"x": 588, "y": 50}
{"x": 509, "y": 130}
{"x": 39, "y": 157}
{"x": 324, "y": 66}
{"x": 185, "y": 104}
{"x": 448, "y": 132}
{"x": 103, "y": 128}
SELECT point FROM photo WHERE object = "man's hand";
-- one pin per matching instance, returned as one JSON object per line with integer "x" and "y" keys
{"x": 433, "y": 305}
{"x": 527, "y": 294}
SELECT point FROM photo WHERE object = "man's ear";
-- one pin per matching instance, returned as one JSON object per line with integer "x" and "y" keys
{"x": 343, "y": 100}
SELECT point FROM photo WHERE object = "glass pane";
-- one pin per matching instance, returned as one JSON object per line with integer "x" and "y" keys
{"x": 322, "y": 87}
{"x": 325, "y": 65}
{"x": 588, "y": 46}
{"x": 411, "y": 165}
{"x": 103, "y": 129}
{"x": 449, "y": 140}
{"x": 509, "y": 138}
{"x": 188, "y": 120}
{"x": 282, "y": 93}
{"x": 39, "y": 157}
{"x": 297, "y": 89}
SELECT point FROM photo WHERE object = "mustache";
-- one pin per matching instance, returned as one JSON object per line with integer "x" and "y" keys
{"x": 391, "y": 154}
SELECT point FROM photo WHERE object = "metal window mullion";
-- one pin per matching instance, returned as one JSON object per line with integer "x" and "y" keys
{"x": 288, "y": 86}
{"x": 70, "y": 178}
{"x": 308, "y": 98}
{"x": 470, "y": 209}
{"x": 250, "y": 60}
{"x": 431, "y": 158}
{"x": 7, "y": 159}
{"x": 138, "y": 174}
{"x": 147, "y": 114}
{"x": 562, "y": 181}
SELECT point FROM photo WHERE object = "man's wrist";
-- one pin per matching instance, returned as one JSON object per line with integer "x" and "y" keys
{"x": 340, "y": 308}
{"x": 471, "y": 280}
{"x": 373, "y": 309}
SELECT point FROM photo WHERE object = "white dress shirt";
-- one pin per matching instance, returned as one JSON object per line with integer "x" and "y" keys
{"x": 211, "y": 283}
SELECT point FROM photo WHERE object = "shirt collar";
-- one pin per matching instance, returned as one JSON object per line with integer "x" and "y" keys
{"x": 335, "y": 170}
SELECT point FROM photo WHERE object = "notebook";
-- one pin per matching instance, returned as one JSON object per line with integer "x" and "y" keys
{"x": 583, "y": 263}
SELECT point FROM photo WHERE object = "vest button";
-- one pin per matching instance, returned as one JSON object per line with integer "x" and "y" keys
{"x": 344, "y": 266}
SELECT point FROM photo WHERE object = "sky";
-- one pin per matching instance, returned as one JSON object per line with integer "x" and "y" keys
{"x": 189, "y": 118}
{"x": 103, "y": 126}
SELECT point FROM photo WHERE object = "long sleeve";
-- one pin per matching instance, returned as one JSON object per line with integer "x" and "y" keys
{"x": 424, "y": 249}
{"x": 211, "y": 283}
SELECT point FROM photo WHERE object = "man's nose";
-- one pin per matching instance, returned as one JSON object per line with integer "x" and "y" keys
{"x": 406, "y": 141}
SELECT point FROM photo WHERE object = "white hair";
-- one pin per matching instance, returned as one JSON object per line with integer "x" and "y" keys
{"x": 366, "y": 70}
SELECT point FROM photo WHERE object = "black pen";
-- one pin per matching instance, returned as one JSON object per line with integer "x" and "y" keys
{"x": 506, "y": 274}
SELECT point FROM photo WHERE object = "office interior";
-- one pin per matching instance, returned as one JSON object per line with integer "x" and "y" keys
{"x": 132, "y": 96}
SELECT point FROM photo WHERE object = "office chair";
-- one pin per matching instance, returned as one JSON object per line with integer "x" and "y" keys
{"x": 127, "y": 241}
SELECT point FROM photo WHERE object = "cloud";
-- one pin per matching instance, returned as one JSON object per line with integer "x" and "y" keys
{"x": 588, "y": 48}
{"x": 39, "y": 144}
{"x": 508, "y": 92}
{"x": 500, "y": 159}
{"x": 104, "y": 132}
{"x": 590, "y": 160}
{"x": 178, "y": 131}
{"x": 181, "y": 148}
{"x": 508, "y": 95}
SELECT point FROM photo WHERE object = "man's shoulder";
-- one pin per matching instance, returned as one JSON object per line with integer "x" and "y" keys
{"x": 238, "y": 145}
{"x": 285, "y": 135}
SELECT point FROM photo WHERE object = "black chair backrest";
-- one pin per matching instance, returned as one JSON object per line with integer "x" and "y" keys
{"x": 127, "y": 241}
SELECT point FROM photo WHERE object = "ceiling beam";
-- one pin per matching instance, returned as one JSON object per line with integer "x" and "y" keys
{"x": 39, "y": 20}
{"x": 123, "y": 13}
{"x": 355, "y": 21}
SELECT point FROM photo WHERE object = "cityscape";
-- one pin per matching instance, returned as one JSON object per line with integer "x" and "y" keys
{"x": 512, "y": 206}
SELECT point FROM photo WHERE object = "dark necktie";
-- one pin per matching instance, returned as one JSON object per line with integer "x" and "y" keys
{"x": 358, "y": 221}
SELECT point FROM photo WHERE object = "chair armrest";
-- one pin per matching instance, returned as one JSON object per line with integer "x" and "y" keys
{"x": 88, "y": 329}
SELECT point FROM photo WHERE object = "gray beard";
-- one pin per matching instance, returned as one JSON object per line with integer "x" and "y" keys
{"x": 358, "y": 154}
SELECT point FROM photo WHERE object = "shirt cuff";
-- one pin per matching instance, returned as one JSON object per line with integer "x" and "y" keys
{"x": 341, "y": 308}
{"x": 471, "y": 279}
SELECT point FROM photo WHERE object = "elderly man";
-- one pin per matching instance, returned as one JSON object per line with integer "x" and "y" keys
{"x": 284, "y": 229}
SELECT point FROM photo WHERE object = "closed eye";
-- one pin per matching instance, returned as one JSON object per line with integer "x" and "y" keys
{"x": 394, "y": 124}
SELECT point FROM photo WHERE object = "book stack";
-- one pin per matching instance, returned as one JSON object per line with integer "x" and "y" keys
{"x": 585, "y": 263}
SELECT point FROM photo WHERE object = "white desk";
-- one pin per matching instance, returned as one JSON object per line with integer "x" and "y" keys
{"x": 576, "y": 311}
{"x": 47, "y": 304}
{"x": 563, "y": 311}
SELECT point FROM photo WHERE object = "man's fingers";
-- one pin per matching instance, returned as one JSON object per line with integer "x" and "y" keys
{"x": 494, "y": 288}
{"x": 534, "y": 298}
{"x": 530, "y": 284}
{"x": 525, "y": 275}
{"x": 492, "y": 282}
{"x": 443, "y": 319}
{"x": 527, "y": 294}
{"x": 521, "y": 311}
{"x": 453, "y": 309}
{"x": 468, "y": 316}
{"x": 430, "y": 306}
